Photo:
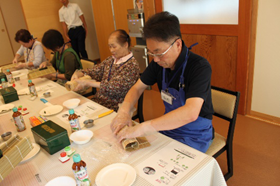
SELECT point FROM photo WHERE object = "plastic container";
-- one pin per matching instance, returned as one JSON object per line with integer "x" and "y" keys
{"x": 80, "y": 171}
{"x": 74, "y": 121}
{"x": 63, "y": 157}
{"x": 32, "y": 89}
{"x": 4, "y": 83}
{"x": 18, "y": 119}
{"x": 69, "y": 151}
{"x": 9, "y": 76}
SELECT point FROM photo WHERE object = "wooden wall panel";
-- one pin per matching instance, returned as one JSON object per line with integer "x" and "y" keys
{"x": 41, "y": 16}
{"x": 104, "y": 25}
{"x": 149, "y": 8}
{"x": 221, "y": 53}
{"x": 120, "y": 9}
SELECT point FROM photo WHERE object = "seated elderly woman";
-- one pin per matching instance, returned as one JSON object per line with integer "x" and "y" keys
{"x": 65, "y": 60}
{"x": 115, "y": 75}
{"x": 31, "y": 49}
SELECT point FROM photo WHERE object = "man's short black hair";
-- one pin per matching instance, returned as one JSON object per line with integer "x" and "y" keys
{"x": 162, "y": 26}
{"x": 52, "y": 39}
{"x": 23, "y": 35}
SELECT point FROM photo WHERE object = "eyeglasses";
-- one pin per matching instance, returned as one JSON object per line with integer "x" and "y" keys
{"x": 160, "y": 55}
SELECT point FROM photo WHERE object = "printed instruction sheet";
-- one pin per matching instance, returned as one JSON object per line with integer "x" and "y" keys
{"x": 170, "y": 164}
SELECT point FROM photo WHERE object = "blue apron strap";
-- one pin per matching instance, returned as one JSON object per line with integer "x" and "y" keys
{"x": 163, "y": 80}
{"x": 181, "y": 84}
{"x": 193, "y": 45}
{"x": 182, "y": 80}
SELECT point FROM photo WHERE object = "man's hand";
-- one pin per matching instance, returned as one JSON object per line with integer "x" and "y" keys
{"x": 120, "y": 121}
{"x": 138, "y": 130}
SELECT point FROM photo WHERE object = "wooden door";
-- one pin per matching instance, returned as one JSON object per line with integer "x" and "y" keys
{"x": 104, "y": 25}
{"x": 6, "y": 51}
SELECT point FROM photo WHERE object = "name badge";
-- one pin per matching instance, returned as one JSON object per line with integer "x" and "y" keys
{"x": 167, "y": 97}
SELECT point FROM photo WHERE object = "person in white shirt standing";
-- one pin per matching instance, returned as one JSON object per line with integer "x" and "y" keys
{"x": 31, "y": 49}
{"x": 74, "y": 26}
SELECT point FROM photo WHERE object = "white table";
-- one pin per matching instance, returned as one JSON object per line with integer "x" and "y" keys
{"x": 102, "y": 150}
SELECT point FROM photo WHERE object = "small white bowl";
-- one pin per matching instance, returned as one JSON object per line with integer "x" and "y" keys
{"x": 81, "y": 136}
{"x": 62, "y": 181}
{"x": 71, "y": 103}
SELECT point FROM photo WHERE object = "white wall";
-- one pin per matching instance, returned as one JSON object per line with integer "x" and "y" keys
{"x": 266, "y": 81}
{"x": 91, "y": 40}
{"x": 203, "y": 11}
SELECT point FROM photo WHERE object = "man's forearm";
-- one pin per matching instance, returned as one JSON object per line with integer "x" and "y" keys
{"x": 131, "y": 98}
{"x": 65, "y": 30}
{"x": 84, "y": 21}
{"x": 180, "y": 116}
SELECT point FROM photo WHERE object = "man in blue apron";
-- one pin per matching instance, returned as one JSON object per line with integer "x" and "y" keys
{"x": 184, "y": 79}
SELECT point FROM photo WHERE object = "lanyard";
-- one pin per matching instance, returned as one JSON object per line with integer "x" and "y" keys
{"x": 181, "y": 84}
{"x": 117, "y": 68}
{"x": 60, "y": 59}
{"x": 27, "y": 57}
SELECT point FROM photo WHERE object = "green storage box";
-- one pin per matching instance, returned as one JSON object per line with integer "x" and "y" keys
{"x": 2, "y": 75}
{"x": 50, "y": 136}
{"x": 9, "y": 94}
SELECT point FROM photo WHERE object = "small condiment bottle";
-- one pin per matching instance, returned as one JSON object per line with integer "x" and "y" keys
{"x": 80, "y": 171}
{"x": 4, "y": 83}
{"x": 63, "y": 157}
{"x": 18, "y": 119}
{"x": 10, "y": 76}
{"x": 69, "y": 151}
{"x": 74, "y": 121}
{"x": 32, "y": 88}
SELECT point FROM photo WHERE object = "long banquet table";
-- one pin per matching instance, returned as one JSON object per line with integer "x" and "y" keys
{"x": 174, "y": 162}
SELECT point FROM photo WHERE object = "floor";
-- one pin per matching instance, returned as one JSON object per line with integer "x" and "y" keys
{"x": 256, "y": 146}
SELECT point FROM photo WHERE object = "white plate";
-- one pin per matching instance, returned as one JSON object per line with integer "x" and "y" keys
{"x": 6, "y": 107}
{"x": 116, "y": 174}
{"x": 51, "y": 110}
{"x": 62, "y": 181}
{"x": 32, "y": 153}
{"x": 81, "y": 136}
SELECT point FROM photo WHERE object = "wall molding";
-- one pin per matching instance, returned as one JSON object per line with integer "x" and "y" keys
{"x": 265, "y": 117}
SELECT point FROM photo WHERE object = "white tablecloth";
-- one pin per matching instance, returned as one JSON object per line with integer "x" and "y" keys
{"x": 101, "y": 151}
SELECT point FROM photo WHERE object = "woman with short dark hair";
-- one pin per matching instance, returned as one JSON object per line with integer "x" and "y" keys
{"x": 65, "y": 59}
{"x": 31, "y": 49}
